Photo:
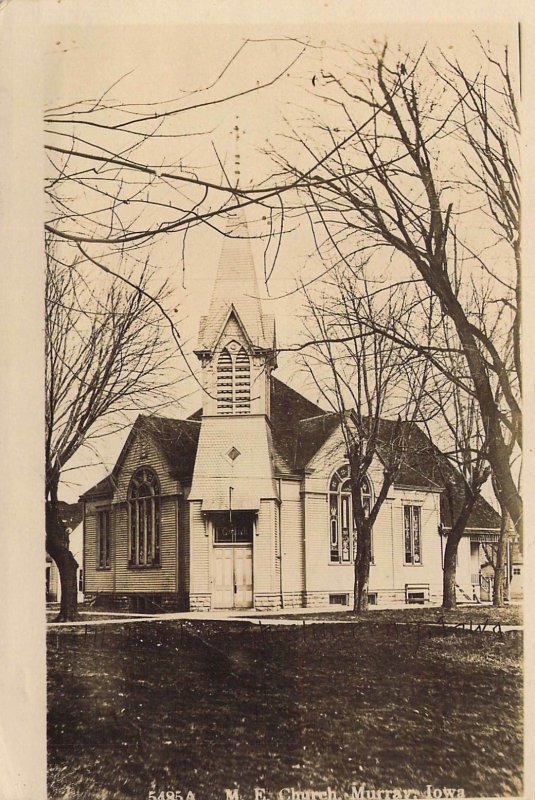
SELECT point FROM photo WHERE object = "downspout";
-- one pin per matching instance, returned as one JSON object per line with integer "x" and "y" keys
{"x": 392, "y": 546}
{"x": 177, "y": 562}
{"x": 508, "y": 570}
{"x": 83, "y": 549}
{"x": 279, "y": 480}
{"x": 113, "y": 521}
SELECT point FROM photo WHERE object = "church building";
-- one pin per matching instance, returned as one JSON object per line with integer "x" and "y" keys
{"x": 246, "y": 504}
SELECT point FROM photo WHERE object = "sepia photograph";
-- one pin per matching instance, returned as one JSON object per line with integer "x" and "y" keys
{"x": 282, "y": 553}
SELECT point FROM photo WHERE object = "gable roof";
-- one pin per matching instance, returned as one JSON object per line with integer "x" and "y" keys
{"x": 71, "y": 514}
{"x": 177, "y": 440}
{"x": 299, "y": 429}
{"x": 287, "y": 409}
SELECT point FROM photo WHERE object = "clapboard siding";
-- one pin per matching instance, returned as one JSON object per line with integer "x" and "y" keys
{"x": 292, "y": 537}
{"x": 199, "y": 550}
{"x": 144, "y": 452}
{"x": 95, "y": 580}
{"x": 265, "y": 573}
{"x": 464, "y": 566}
{"x": 183, "y": 546}
{"x": 430, "y": 569}
{"x": 147, "y": 579}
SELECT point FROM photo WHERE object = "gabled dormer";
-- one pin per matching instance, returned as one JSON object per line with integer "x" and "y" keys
{"x": 236, "y": 343}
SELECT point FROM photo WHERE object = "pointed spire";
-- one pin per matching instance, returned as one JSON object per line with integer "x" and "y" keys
{"x": 236, "y": 288}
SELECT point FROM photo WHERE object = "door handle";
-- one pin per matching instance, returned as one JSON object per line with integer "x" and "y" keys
{"x": 235, "y": 589}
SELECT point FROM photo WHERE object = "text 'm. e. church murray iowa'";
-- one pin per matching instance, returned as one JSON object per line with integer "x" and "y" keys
{"x": 247, "y": 504}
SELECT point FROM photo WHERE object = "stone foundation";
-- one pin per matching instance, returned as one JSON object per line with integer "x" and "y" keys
{"x": 200, "y": 602}
{"x": 150, "y": 602}
{"x": 317, "y": 599}
{"x": 294, "y": 599}
{"x": 267, "y": 602}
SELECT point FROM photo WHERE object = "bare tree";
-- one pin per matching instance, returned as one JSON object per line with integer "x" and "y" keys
{"x": 363, "y": 376}
{"x": 121, "y": 179}
{"x": 452, "y": 418}
{"x": 107, "y": 355}
{"x": 421, "y": 170}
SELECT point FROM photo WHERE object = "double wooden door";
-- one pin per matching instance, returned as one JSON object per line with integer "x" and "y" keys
{"x": 233, "y": 576}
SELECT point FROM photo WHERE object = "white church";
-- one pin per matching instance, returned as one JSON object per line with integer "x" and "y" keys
{"x": 246, "y": 504}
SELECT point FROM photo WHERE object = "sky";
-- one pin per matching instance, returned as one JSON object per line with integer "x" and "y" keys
{"x": 143, "y": 64}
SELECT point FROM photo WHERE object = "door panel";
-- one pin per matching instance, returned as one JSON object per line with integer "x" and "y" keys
{"x": 243, "y": 577}
{"x": 223, "y": 578}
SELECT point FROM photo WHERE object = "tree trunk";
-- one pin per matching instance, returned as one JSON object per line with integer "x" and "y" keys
{"x": 449, "y": 596}
{"x": 449, "y": 599}
{"x": 498, "y": 593}
{"x": 498, "y": 452}
{"x": 57, "y": 547}
{"x": 362, "y": 570}
{"x": 67, "y": 567}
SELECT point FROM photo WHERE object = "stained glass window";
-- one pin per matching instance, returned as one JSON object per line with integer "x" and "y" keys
{"x": 144, "y": 509}
{"x": 412, "y": 526}
{"x": 342, "y": 529}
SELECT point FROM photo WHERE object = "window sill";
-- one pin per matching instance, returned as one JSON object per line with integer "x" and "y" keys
{"x": 141, "y": 567}
{"x": 103, "y": 569}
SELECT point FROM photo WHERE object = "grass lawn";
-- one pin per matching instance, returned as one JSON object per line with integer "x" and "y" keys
{"x": 477, "y": 614}
{"x": 209, "y": 705}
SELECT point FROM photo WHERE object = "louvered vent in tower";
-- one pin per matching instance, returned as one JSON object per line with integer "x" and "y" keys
{"x": 224, "y": 383}
{"x": 233, "y": 382}
{"x": 242, "y": 383}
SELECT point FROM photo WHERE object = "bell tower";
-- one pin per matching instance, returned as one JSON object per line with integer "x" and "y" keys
{"x": 236, "y": 345}
{"x": 233, "y": 499}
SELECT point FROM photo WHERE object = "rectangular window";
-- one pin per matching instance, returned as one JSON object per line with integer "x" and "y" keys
{"x": 104, "y": 539}
{"x": 412, "y": 521}
{"x": 338, "y": 599}
{"x": 235, "y": 528}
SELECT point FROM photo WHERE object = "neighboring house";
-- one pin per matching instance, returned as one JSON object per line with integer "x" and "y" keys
{"x": 247, "y": 503}
{"x": 516, "y": 587}
{"x": 71, "y": 514}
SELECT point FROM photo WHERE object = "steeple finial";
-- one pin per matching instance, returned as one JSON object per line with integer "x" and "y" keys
{"x": 237, "y": 152}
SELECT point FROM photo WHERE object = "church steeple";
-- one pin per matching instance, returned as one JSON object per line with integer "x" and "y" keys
{"x": 236, "y": 343}
{"x": 236, "y": 289}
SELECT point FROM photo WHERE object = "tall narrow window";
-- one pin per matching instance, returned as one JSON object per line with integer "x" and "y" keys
{"x": 144, "y": 509}
{"x": 412, "y": 521}
{"x": 233, "y": 380}
{"x": 104, "y": 539}
{"x": 342, "y": 529}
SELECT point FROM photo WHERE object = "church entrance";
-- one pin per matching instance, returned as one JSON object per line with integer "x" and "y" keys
{"x": 233, "y": 560}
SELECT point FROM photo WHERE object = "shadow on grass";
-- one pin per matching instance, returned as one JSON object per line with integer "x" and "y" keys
{"x": 208, "y": 705}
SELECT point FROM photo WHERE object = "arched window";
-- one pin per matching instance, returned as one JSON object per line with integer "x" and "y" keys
{"x": 233, "y": 380}
{"x": 342, "y": 530}
{"x": 144, "y": 509}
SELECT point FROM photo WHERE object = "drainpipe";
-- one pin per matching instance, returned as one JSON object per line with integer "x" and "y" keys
{"x": 280, "y": 542}
{"x": 83, "y": 547}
